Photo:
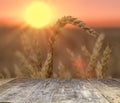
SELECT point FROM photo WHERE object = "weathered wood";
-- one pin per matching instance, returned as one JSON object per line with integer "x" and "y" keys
{"x": 3, "y": 81}
{"x": 118, "y": 80}
{"x": 60, "y": 91}
{"x": 109, "y": 88}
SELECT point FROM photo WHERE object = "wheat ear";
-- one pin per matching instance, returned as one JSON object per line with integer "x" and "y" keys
{"x": 105, "y": 61}
{"x": 93, "y": 59}
{"x": 7, "y": 73}
{"x": 74, "y": 21}
{"x": 2, "y": 76}
{"x": 85, "y": 52}
{"x": 48, "y": 65}
{"x": 47, "y": 68}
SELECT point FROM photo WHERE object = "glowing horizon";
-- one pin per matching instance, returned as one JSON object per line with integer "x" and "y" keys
{"x": 94, "y": 12}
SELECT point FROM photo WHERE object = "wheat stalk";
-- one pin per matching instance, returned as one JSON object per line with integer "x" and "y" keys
{"x": 30, "y": 60}
{"x": 2, "y": 76}
{"x": 102, "y": 65}
{"x": 7, "y": 73}
{"x": 98, "y": 70}
{"x": 62, "y": 72}
{"x": 47, "y": 68}
{"x": 48, "y": 65}
{"x": 18, "y": 72}
{"x": 85, "y": 52}
{"x": 105, "y": 61}
{"x": 28, "y": 69}
{"x": 94, "y": 57}
{"x": 74, "y": 21}
{"x": 71, "y": 54}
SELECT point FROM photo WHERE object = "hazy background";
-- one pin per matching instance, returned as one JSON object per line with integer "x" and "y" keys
{"x": 71, "y": 38}
{"x": 103, "y": 15}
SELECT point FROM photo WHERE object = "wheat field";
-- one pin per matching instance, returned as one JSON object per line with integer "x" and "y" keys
{"x": 91, "y": 62}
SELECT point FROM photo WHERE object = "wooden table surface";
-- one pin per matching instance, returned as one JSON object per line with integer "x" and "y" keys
{"x": 60, "y": 91}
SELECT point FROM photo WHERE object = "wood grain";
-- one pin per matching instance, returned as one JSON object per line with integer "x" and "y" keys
{"x": 60, "y": 91}
{"x": 3, "y": 81}
{"x": 109, "y": 88}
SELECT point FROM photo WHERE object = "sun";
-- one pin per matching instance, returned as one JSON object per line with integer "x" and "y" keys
{"x": 38, "y": 14}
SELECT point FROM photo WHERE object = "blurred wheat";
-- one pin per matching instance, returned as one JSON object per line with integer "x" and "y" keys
{"x": 94, "y": 57}
{"x": 47, "y": 69}
{"x": 31, "y": 64}
{"x": 2, "y": 76}
{"x": 18, "y": 72}
{"x": 74, "y": 21}
{"x": 102, "y": 67}
{"x": 48, "y": 65}
{"x": 85, "y": 52}
{"x": 6, "y": 73}
{"x": 61, "y": 72}
{"x": 78, "y": 65}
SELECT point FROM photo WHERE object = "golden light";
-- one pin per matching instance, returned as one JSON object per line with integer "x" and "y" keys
{"x": 38, "y": 14}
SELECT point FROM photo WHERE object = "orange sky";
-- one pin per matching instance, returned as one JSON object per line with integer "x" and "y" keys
{"x": 94, "y": 12}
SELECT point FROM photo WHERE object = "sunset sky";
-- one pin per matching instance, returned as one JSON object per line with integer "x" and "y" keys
{"x": 94, "y": 12}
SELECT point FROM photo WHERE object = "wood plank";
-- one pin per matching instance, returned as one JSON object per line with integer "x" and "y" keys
{"x": 116, "y": 79}
{"x": 108, "y": 91}
{"x": 53, "y": 91}
{"x": 3, "y": 81}
{"x": 77, "y": 91}
{"x": 95, "y": 94}
{"x": 66, "y": 92}
{"x": 43, "y": 92}
{"x": 13, "y": 89}
{"x": 11, "y": 84}
{"x": 111, "y": 82}
{"x": 59, "y": 91}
